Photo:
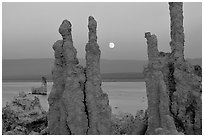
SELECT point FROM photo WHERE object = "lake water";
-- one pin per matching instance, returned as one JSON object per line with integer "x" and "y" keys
{"x": 125, "y": 97}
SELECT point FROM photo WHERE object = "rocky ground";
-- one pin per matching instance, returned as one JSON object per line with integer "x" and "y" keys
{"x": 127, "y": 124}
{"x": 23, "y": 116}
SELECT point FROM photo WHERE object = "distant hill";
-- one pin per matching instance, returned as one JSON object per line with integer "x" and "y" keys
{"x": 33, "y": 69}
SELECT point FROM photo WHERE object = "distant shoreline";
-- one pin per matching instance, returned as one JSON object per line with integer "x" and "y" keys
{"x": 103, "y": 80}
{"x": 106, "y": 77}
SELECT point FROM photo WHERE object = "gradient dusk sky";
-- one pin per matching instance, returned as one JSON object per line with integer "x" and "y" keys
{"x": 30, "y": 29}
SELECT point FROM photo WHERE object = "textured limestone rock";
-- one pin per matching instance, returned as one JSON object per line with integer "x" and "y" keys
{"x": 67, "y": 114}
{"x": 23, "y": 115}
{"x": 18, "y": 130}
{"x": 77, "y": 102}
{"x": 42, "y": 90}
{"x": 158, "y": 104}
{"x": 99, "y": 111}
{"x": 173, "y": 85}
{"x": 177, "y": 30}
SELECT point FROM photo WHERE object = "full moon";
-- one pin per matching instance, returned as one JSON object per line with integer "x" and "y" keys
{"x": 111, "y": 45}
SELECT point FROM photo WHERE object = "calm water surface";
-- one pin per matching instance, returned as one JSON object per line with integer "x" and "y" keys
{"x": 123, "y": 96}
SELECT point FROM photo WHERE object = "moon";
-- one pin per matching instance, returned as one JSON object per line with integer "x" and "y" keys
{"x": 111, "y": 45}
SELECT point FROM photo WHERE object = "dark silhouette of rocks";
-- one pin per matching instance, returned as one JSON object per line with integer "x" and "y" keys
{"x": 173, "y": 85}
{"x": 77, "y": 105}
{"x": 42, "y": 90}
{"x": 23, "y": 115}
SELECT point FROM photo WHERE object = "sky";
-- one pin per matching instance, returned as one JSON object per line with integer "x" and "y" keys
{"x": 30, "y": 29}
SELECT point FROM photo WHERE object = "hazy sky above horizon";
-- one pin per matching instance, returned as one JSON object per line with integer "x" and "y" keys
{"x": 30, "y": 29}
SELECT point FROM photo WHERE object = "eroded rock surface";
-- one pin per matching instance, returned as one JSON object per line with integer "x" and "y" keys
{"x": 77, "y": 103}
{"x": 23, "y": 115}
{"x": 99, "y": 111}
{"x": 66, "y": 101}
{"x": 173, "y": 85}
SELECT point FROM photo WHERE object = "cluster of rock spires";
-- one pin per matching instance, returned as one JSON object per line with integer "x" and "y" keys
{"x": 174, "y": 87}
{"x": 77, "y": 104}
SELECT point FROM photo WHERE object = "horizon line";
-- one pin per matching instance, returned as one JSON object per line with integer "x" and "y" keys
{"x": 84, "y": 58}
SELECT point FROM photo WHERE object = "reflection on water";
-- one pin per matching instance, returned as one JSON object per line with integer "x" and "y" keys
{"x": 123, "y": 96}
